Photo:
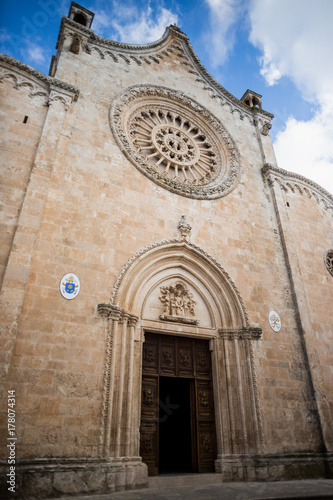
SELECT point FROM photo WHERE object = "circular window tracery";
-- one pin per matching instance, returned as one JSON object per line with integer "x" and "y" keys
{"x": 174, "y": 147}
{"x": 328, "y": 260}
{"x": 175, "y": 142}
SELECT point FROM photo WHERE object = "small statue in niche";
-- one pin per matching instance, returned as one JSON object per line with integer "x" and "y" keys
{"x": 178, "y": 303}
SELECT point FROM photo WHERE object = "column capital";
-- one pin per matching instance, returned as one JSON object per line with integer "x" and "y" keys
{"x": 251, "y": 333}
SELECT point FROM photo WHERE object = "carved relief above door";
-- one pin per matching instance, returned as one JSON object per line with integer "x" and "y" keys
{"x": 177, "y": 413}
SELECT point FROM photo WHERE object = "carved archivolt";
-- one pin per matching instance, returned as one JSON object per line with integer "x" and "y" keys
{"x": 169, "y": 253}
{"x": 176, "y": 142}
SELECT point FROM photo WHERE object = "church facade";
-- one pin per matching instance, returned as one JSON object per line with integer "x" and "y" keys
{"x": 166, "y": 288}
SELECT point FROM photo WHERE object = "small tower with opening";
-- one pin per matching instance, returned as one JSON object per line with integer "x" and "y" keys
{"x": 252, "y": 99}
{"x": 80, "y": 15}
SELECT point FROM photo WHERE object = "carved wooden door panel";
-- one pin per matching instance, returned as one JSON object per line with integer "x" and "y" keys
{"x": 205, "y": 417}
{"x": 177, "y": 357}
{"x": 149, "y": 424}
{"x": 206, "y": 437}
{"x": 150, "y": 404}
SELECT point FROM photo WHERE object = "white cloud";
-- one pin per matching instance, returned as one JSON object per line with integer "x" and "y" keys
{"x": 305, "y": 147}
{"x": 131, "y": 25}
{"x": 296, "y": 40}
{"x": 35, "y": 53}
{"x": 220, "y": 37}
{"x": 4, "y": 36}
{"x": 146, "y": 28}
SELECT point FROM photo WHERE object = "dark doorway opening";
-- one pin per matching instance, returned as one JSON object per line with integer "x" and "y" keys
{"x": 177, "y": 433}
{"x": 175, "y": 448}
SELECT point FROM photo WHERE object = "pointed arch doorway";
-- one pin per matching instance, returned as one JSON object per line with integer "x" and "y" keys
{"x": 174, "y": 291}
{"x": 177, "y": 432}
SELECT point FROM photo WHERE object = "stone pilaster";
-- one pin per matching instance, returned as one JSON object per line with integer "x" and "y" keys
{"x": 241, "y": 426}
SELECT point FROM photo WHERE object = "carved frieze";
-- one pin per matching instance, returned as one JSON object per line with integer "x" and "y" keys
{"x": 178, "y": 303}
{"x": 175, "y": 142}
{"x": 289, "y": 181}
{"x": 43, "y": 87}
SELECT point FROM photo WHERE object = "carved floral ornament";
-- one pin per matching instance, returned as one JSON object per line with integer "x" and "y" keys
{"x": 175, "y": 142}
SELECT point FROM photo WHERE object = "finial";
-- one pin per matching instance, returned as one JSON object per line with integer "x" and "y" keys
{"x": 184, "y": 228}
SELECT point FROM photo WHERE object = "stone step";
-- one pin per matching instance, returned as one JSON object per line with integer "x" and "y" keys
{"x": 175, "y": 480}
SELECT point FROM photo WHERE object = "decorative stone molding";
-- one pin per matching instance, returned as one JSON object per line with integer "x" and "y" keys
{"x": 113, "y": 312}
{"x": 289, "y": 181}
{"x": 128, "y": 58}
{"x": 41, "y": 85}
{"x": 175, "y": 142}
{"x": 115, "y": 315}
{"x": 173, "y": 42}
{"x": 266, "y": 128}
{"x": 177, "y": 245}
{"x": 328, "y": 261}
{"x": 57, "y": 96}
{"x": 241, "y": 334}
{"x": 75, "y": 27}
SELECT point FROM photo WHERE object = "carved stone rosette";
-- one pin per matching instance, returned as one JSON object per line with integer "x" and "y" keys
{"x": 175, "y": 141}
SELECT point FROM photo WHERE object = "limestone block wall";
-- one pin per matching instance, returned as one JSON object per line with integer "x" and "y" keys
{"x": 22, "y": 116}
{"x": 311, "y": 225}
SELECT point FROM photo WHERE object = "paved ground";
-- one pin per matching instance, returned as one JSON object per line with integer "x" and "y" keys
{"x": 307, "y": 489}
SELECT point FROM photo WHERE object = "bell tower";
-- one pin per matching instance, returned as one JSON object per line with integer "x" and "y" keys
{"x": 80, "y": 15}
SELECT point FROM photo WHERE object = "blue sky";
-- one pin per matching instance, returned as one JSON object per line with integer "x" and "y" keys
{"x": 278, "y": 48}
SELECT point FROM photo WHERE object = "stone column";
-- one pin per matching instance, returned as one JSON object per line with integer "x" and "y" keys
{"x": 119, "y": 424}
{"x": 241, "y": 413}
{"x": 130, "y": 420}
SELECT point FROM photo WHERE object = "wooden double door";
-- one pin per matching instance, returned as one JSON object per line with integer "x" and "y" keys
{"x": 177, "y": 431}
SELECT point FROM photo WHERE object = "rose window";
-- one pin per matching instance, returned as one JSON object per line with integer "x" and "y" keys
{"x": 175, "y": 142}
{"x": 173, "y": 146}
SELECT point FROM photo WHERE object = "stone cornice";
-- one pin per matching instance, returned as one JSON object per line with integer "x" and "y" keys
{"x": 114, "y": 312}
{"x": 47, "y": 82}
{"x": 298, "y": 183}
{"x": 215, "y": 85}
{"x": 173, "y": 41}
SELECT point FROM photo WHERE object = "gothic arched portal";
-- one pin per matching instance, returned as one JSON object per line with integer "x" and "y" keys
{"x": 173, "y": 288}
